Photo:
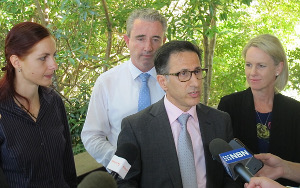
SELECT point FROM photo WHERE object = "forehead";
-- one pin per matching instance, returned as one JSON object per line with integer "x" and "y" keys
{"x": 146, "y": 28}
{"x": 255, "y": 54}
{"x": 184, "y": 60}
{"x": 46, "y": 45}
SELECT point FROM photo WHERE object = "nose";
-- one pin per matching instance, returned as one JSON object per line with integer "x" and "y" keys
{"x": 194, "y": 80}
{"x": 253, "y": 71}
{"x": 148, "y": 46}
{"x": 52, "y": 64}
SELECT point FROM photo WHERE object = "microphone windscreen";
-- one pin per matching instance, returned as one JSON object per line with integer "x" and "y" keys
{"x": 98, "y": 179}
{"x": 218, "y": 146}
{"x": 127, "y": 151}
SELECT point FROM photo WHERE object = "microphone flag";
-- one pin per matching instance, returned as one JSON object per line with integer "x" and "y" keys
{"x": 119, "y": 165}
{"x": 231, "y": 158}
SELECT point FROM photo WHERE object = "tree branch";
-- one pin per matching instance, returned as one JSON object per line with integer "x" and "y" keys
{"x": 109, "y": 34}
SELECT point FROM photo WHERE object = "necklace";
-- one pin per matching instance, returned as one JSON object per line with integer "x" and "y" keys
{"x": 263, "y": 131}
{"x": 261, "y": 120}
{"x": 24, "y": 108}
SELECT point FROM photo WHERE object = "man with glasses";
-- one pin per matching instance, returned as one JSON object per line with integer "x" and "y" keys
{"x": 172, "y": 135}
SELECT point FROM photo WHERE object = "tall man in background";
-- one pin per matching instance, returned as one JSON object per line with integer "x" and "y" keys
{"x": 126, "y": 88}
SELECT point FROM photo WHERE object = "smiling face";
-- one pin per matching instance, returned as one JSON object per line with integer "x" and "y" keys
{"x": 184, "y": 95}
{"x": 260, "y": 69}
{"x": 37, "y": 68}
{"x": 145, "y": 38}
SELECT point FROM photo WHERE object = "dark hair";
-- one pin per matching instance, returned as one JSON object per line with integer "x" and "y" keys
{"x": 19, "y": 41}
{"x": 162, "y": 55}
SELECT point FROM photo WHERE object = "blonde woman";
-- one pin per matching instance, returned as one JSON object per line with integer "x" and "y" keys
{"x": 262, "y": 118}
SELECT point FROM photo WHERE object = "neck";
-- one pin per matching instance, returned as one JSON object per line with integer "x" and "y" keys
{"x": 31, "y": 107}
{"x": 27, "y": 90}
{"x": 30, "y": 92}
{"x": 263, "y": 101}
{"x": 143, "y": 67}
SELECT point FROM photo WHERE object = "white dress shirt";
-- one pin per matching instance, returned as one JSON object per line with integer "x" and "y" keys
{"x": 115, "y": 96}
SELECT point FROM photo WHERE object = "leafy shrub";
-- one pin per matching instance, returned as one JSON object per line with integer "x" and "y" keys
{"x": 76, "y": 108}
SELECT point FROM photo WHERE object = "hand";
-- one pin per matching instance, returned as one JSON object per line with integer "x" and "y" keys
{"x": 273, "y": 166}
{"x": 262, "y": 182}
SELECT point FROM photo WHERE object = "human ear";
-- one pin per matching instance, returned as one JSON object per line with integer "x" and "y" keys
{"x": 15, "y": 61}
{"x": 126, "y": 39}
{"x": 164, "y": 40}
{"x": 162, "y": 80}
{"x": 279, "y": 68}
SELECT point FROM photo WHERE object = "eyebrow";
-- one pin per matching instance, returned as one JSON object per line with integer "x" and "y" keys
{"x": 155, "y": 36}
{"x": 197, "y": 68}
{"x": 42, "y": 54}
{"x": 256, "y": 63}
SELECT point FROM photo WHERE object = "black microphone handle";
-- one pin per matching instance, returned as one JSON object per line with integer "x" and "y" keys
{"x": 243, "y": 172}
{"x": 114, "y": 175}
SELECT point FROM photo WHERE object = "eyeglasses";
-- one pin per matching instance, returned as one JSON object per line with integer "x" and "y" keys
{"x": 185, "y": 75}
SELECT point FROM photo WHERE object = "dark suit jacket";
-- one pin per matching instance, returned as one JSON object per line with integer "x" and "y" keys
{"x": 3, "y": 182}
{"x": 157, "y": 163}
{"x": 285, "y": 126}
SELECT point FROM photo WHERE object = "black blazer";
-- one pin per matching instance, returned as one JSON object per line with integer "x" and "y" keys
{"x": 157, "y": 163}
{"x": 3, "y": 182}
{"x": 285, "y": 126}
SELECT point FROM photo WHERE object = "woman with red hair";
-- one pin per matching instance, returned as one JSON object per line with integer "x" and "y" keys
{"x": 35, "y": 145}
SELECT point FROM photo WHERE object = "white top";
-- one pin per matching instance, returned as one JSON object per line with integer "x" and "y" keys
{"x": 115, "y": 96}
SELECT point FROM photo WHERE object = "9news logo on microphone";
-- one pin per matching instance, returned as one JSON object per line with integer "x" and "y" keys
{"x": 233, "y": 157}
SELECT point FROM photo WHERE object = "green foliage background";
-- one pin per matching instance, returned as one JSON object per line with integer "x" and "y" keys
{"x": 89, "y": 36}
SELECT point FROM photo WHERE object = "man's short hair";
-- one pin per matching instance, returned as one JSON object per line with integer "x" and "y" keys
{"x": 146, "y": 14}
{"x": 162, "y": 55}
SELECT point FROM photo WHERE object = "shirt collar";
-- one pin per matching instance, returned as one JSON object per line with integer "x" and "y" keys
{"x": 44, "y": 92}
{"x": 174, "y": 112}
{"x": 135, "y": 72}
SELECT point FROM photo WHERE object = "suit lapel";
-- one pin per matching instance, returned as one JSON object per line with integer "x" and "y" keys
{"x": 204, "y": 124}
{"x": 248, "y": 128}
{"x": 207, "y": 135}
{"x": 167, "y": 145}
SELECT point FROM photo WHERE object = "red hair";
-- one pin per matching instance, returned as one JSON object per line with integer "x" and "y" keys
{"x": 19, "y": 41}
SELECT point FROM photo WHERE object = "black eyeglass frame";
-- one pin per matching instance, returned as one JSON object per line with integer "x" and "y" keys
{"x": 191, "y": 72}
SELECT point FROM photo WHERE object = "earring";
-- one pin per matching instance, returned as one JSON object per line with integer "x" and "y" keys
{"x": 19, "y": 69}
{"x": 277, "y": 74}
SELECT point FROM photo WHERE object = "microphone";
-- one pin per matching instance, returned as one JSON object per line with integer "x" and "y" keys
{"x": 234, "y": 160}
{"x": 121, "y": 162}
{"x": 98, "y": 179}
{"x": 253, "y": 165}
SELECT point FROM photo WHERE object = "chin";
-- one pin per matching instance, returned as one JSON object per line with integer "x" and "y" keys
{"x": 254, "y": 86}
{"x": 194, "y": 103}
{"x": 45, "y": 84}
